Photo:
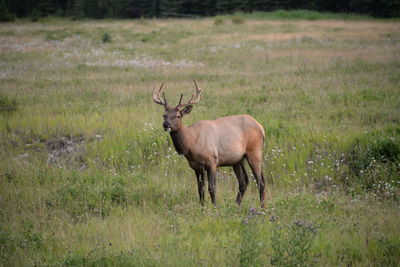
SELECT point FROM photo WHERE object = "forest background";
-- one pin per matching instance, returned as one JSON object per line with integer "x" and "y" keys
{"x": 11, "y": 9}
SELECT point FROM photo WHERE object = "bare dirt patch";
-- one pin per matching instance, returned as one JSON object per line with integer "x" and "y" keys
{"x": 67, "y": 151}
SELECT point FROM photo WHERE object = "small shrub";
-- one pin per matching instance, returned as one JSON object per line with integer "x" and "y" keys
{"x": 373, "y": 161}
{"x": 218, "y": 21}
{"x": 237, "y": 19}
{"x": 291, "y": 244}
{"x": 106, "y": 38}
{"x": 379, "y": 146}
{"x": 8, "y": 105}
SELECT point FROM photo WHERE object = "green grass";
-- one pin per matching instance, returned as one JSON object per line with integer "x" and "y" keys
{"x": 304, "y": 14}
{"x": 89, "y": 178}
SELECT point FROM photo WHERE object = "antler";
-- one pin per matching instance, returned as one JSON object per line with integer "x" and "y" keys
{"x": 157, "y": 98}
{"x": 194, "y": 99}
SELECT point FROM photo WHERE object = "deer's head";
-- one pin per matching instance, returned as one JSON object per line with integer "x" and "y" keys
{"x": 173, "y": 115}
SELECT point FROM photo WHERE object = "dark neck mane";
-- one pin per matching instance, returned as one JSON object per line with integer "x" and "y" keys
{"x": 179, "y": 142}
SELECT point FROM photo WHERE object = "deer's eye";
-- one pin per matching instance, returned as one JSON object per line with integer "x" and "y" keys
{"x": 178, "y": 116}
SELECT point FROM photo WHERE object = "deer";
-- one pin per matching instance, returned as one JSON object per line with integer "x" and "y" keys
{"x": 209, "y": 144}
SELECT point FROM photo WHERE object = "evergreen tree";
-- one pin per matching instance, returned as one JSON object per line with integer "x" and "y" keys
{"x": 46, "y": 7}
{"x": 5, "y": 14}
{"x": 170, "y": 6}
{"x": 206, "y": 7}
{"x": 262, "y": 5}
{"x": 393, "y": 7}
{"x": 91, "y": 9}
{"x": 145, "y": 8}
{"x": 230, "y": 6}
{"x": 77, "y": 10}
{"x": 155, "y": 8}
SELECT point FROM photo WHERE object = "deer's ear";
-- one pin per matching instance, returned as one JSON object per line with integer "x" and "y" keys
{"x": 186, "y": 110}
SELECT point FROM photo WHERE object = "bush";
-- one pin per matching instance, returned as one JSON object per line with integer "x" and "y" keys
{"x": 218, "y": 21}
{"x": 374, "y": 159}
{"x": 106, "y": 38}
{"x": 236, "y": 19}
{"x": 382, "y": 147}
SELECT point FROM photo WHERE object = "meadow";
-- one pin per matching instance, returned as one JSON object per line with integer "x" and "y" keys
{"x": 88, "y": 177}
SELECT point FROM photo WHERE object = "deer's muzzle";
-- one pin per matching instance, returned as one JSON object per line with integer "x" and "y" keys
{"x": 166, "y": 126}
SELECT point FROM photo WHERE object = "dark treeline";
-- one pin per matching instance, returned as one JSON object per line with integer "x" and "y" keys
{"x": 10, "y": 9}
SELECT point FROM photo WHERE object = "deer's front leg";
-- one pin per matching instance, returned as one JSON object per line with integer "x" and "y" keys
{"x": 200, "y": 185}
{"x": 212, "y": 182}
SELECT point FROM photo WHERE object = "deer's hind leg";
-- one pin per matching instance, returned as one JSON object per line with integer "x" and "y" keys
{"x": 243, "y": 180}
{"x": 200, "y": 185}
{"x": 212, "y": 182}
{"x": 254, "y": 158}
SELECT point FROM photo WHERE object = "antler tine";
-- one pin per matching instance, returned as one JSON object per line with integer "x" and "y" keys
{"x": 193, "y": 100}
{"x": 180, "y": 100}
{"x": 198, "y": 93}
{"x": 156, "y": 96}
{"x": 165, "y": 100}
{"x": 195, "y": 83}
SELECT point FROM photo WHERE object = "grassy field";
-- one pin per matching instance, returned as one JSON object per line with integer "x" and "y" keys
{"x": 88, "y": 176}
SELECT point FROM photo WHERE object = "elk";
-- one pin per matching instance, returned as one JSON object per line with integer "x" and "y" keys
{"x": 209, "y": 144}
